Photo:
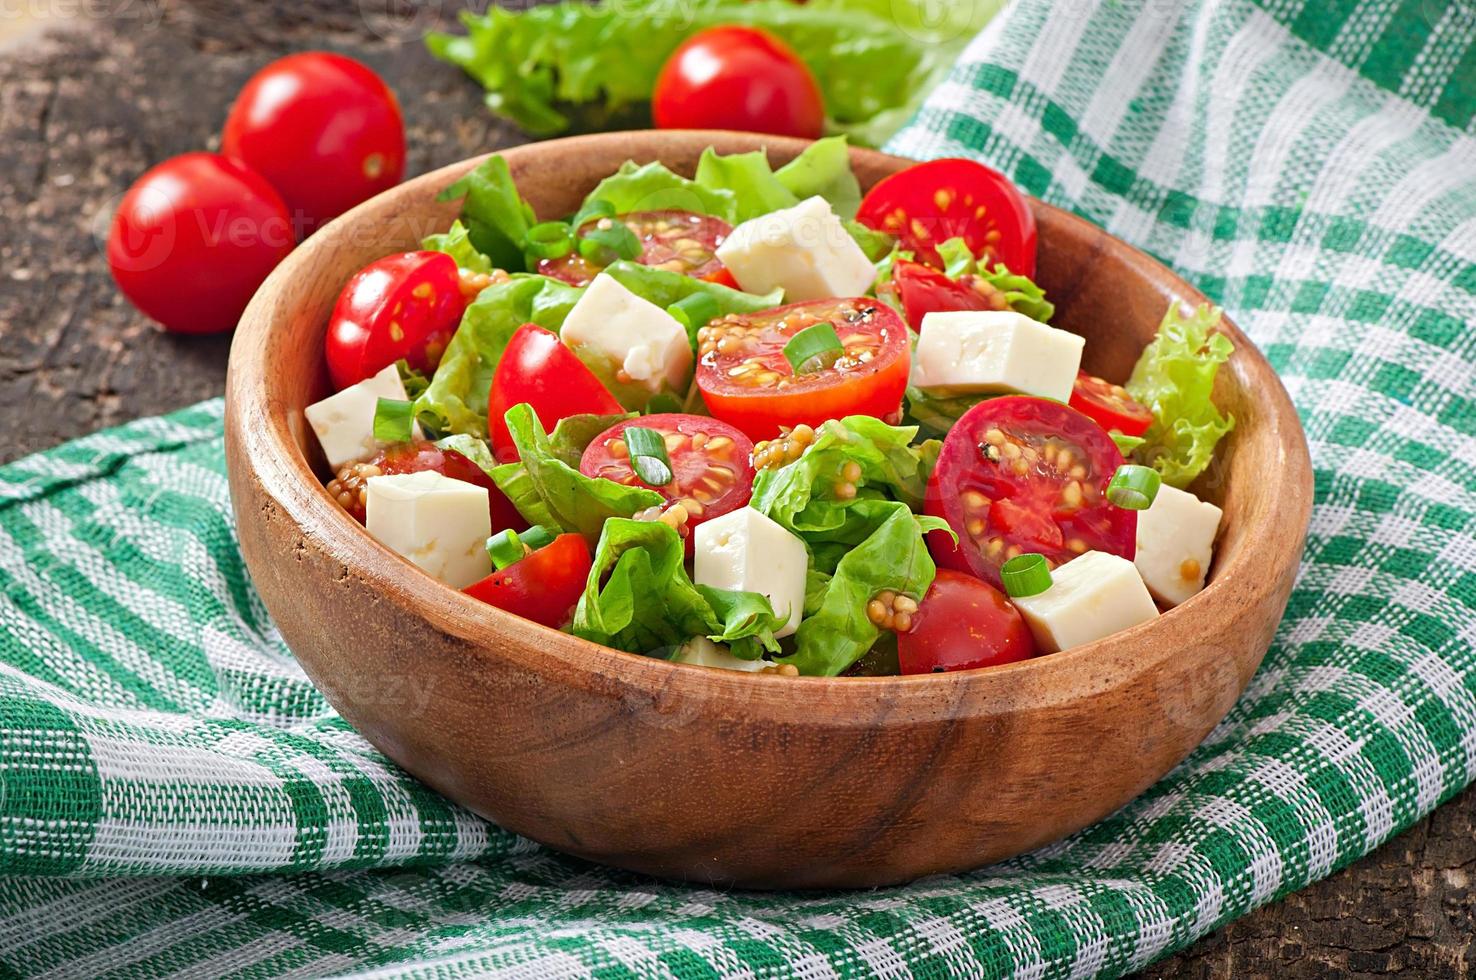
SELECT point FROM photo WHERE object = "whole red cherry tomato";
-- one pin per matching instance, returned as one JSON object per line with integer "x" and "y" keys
{"x": 193, "y": 238}
{"x": 538, "y": 369}
{"x": 738, "y": 78}
{"x": 404, "y": 306}
{"x": 323, "y": 128}
{"x": 963, "y": 623}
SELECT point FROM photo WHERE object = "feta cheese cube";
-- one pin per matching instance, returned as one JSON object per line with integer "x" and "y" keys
{"x": 746, "y": 551}
{"x": 704, "y": 653}
{"x": 1092, "y": 596}
{"x": 995, "y": 351}
{"x": 441, "y": 525}
{"x": 805, "y": 250}
{"x": 344, "y": 423}
{"x": 1176, "y": 539}
{"x": 635, "y": 335}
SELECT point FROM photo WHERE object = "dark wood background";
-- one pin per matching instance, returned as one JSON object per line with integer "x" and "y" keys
{"x": 92, "y": 92}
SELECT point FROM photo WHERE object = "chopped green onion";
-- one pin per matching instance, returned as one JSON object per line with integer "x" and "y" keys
{"x": 504, "y": 548}
{"x": 648, "y": 456}
{"x": 549, "y": 240}
{"x": 694, "y": 312}
{"x": 813, "y": 349}
{"x": 593, "y": 211}
{"x": 1134, "y": 487}
{"x": 393, "y": 420}
{"x": 507, "y": 547}
{"x": 536, "y": 537}
{"x": 604, "y": 243}
{"x": 1025, "y": 575}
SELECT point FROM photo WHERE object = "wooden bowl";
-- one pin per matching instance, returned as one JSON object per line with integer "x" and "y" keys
{"x": 721, "y": 777}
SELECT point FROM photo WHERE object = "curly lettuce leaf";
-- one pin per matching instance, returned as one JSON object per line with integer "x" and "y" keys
{"x": 858, "y": 546}
{"x": 1175, "y": 378}
{"x": 547, "y": 489}
{"x": 639, "y": 598}
{"x": 893, "y": 556}
{"x": 1019, "y": 292}
{"x": 494, "y": 214}
{"x": 874, "y": 60}
{"x": 456, "y": 242}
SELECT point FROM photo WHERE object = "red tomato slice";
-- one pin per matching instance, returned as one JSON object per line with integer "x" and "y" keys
{"x": 1019, "y": 475}
{"x": 929, "y": 203}
{"x": 404, "y": 306}
{"x": 1109, "y": 405}
{"x": 416, "y": 457}
{"x": 544, "y": 586}
{"x": 711, "y": 463}
{"x": 722, "y": 277}
{"x": 746, "y": 381}
{"x": 536, "y": 368}
{"x": 922, "y": 290}
{"x": 963, "y": 623}
{"x": 677, "y": 241}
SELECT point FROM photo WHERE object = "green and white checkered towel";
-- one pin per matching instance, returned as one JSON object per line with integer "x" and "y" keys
{"x": 1309, "y": 165}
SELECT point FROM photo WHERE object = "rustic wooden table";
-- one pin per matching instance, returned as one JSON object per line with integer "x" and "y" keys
{"x": 92, "y": 92}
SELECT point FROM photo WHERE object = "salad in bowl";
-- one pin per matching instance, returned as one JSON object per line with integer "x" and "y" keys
{"x": 755, "y": 420}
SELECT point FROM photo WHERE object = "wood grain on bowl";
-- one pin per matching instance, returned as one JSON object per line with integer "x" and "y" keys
{"x": 728, "y": 778}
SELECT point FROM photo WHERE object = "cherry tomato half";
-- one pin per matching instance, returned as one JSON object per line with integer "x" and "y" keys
{"x": 193, "y": 238}
{"x": 1019, "y": 475}
{"x": 677, "y": 241}
{"x": 404, "y": 306}
{"x": 711, "y": 463}
{"x": 922, "y": 290}
{"x": 538, "y": 369}
{"x": 738, "y": 78}
{"x": 747, "y": 382}
{"x": 545, "y": 586}
{"x": 1109, "y": 405}
{"x": 323, "y": 128}
{"x": 929, "y": 203}
{"x": 963, "y": 623}
{"x": 347, "y": 486}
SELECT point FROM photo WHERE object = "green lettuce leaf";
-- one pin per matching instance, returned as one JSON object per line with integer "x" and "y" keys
{"x": 858, "y": 546}
{"x": 565, "y": 498}
{"x": 472, "y": 448}
{"x": 639, "y": 598}
{"x": 495, "y": 216}
{"x": 873, "y": 59}
{"x": 653, "y": 187}
{"x": 456, "y": 242}
{"x": 1175, "y": 377}
{"x": 749, "y": 178}
{"x": 893, "y": 556}
{"x": 1020, "y": 292}
{"x": 824, "y": 168}
{"x": 934, "y": 414}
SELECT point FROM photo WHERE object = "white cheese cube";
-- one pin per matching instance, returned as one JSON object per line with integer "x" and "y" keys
{"x": 805, "y": 250}
{"x": 441, "y": 525}
{"x": 344, "y": 423}
{"x": 746, "y": 551}
{"x": 1176, "y": 539}
{"x": 1092, "y": 596}
{"x": 635, "y": 335}
{"x": 995, "y": 351}
{"x": 704, "y": 653}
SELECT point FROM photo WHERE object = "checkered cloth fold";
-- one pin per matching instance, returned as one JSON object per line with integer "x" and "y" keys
{"x": 1310, "y": 166}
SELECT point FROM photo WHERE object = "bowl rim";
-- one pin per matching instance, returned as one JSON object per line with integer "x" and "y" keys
{"x": 285, "y": 475}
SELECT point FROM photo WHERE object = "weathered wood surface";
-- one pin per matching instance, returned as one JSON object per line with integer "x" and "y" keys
{"x": 87, "y": 105}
